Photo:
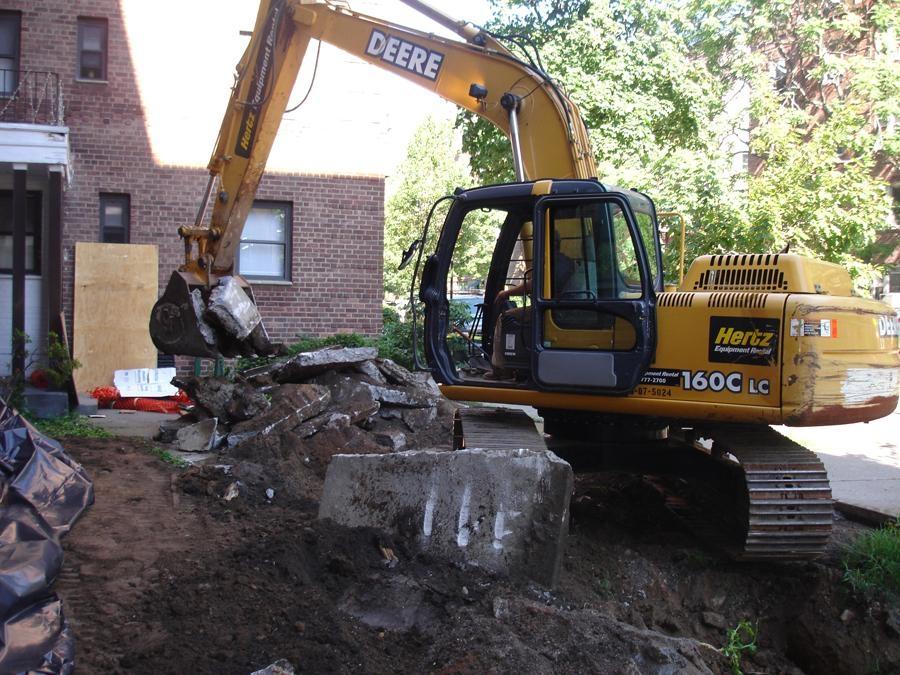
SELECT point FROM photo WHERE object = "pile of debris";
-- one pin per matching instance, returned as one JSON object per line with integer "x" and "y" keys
{"x": 274, "y": 424}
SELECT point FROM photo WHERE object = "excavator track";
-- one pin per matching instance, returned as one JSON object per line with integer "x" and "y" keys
{"x": 754, "y": 494}
{"x": 786, "y": 509}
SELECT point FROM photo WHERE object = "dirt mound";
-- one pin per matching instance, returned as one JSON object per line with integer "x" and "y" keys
{"x": 208, "y": 586}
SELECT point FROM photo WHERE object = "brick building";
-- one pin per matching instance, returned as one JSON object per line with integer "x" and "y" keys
{"x": 80, "y": 161}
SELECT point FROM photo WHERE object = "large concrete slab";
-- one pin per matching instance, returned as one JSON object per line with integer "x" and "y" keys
{"x": 505, "y": 511}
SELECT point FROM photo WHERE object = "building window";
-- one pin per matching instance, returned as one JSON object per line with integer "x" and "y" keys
{"x": 894, "y": 282}
{"x": 92, "y": 49}
{"x": 32, "y": 232}
{"x": 10, "y": 27}
{"x": 115, "y": 218}
{"x": 265, "y": 247}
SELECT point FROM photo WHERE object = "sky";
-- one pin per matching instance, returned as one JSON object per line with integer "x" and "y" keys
{"x": 357, "y": 120}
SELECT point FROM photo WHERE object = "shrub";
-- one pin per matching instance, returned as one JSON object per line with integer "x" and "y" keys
{"x": 872, "y": 561}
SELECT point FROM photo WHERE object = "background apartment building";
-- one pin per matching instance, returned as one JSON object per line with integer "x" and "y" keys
{"x": 108, "y": 112}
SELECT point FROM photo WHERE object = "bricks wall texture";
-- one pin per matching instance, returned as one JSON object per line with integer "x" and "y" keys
{"x": 336, "y": 262}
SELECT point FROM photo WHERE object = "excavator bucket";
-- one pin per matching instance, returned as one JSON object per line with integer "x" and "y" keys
{"x": 193, "y": 319}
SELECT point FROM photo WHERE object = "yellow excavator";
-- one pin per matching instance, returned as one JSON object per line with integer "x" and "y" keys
{"x": 606, "y": 353}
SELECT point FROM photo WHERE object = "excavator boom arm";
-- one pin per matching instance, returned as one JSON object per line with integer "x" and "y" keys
{"x": 207, "y": 310}
{"x": 475, "y": 75}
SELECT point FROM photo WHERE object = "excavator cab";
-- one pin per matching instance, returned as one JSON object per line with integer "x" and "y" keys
{"x": 587, "y": 258}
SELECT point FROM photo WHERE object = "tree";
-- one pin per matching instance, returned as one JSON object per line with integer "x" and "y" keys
{"x": 824, "y": 134}
{"x": 653, "y": 81}
{"x": 652, "y": 102}
{"x": 434, "y": 168}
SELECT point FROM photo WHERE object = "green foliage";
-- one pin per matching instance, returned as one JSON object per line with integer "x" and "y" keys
{"x": 169, "y": 458}
{"x": 434, "y": 168}
{"x": 60, "y": 364}
{"x": 872, "y": 562}
{"x": 823, "y": 126}
{"x": 397, "y": 339}
{"x": 12, "y": 386}
{"x": 70, "y": 425}
{"x": 58, "y": 367}
{"x": 739, "y": 640}
{"x": 653, "y": 81}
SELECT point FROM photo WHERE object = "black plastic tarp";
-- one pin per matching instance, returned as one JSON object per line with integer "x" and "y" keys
{"x": 42, "y": 493}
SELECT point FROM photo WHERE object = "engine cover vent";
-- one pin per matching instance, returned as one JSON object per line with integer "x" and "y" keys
{"x": 675, "y": 299}
{"x": 738, "y": 300}
{"x": 766, "y": 273}
{"x": 747, "y": 272}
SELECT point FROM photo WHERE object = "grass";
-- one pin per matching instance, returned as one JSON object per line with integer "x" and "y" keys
{"x": 603, "y": 586}
{"x": 740, "y": 639}
{"x": 872, "y": 562}
{"x": 70, "y": 425}
{"x": 169, "y": 458}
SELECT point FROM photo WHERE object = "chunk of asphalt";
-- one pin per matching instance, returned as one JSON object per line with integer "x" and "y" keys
{"x": 391, "y": 438}
{"x": 402, "y": 398}
{"x": 229, "y": 401}
{"x": 168, "y": 431}
{"x": 306, "y": 364}
{"x": 506, "y": 511}
{"x": 370, "y": 370}
{"x": 233, "y": 308}
{"x": 209, "y": 335}
{"x": 295, "y": 404}
{"x": 197, "y": 437}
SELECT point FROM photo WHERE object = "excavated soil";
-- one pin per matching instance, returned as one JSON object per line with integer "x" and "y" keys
{"x": 164, "y": 576}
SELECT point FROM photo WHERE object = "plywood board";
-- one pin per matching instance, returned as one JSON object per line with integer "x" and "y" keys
{"x": 115, "y": 288}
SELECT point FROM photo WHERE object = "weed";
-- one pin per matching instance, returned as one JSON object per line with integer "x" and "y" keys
{"x": 603, "y": 586}
{"x": 698, "y": 558}
{"x": 740, "y": 639}
{"x": 72, "y": 424}
{"x": 169, "y": 458}
{"x": 872, "y": 561}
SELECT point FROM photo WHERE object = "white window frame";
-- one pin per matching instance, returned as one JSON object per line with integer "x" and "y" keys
{"x": 285, "y": 274}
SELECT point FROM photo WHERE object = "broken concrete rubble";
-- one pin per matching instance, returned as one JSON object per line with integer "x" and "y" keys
{"x": 403, "y": 398}
{"x": 198, "y": 437}
{"x": 307, "y": 364}
{"x": 417, "y": 419}
{"x": 505, "y": 511}
{"x": 397, "y": 374}
{"x": 295, "y": 403}
{"x": 226, "y": 400}
{"x": 395, "y": 440}
{"x": 234, "y": 311}
{"x": 371, "y": 371}
{"x": 286, "y": 419}
{"x": 168, "y": 430}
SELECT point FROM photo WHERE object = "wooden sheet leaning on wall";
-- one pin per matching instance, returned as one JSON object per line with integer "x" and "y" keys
{"x": 115, "y": 288}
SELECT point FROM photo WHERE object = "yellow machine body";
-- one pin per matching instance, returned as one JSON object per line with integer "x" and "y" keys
{"x": 762, "y": 339}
